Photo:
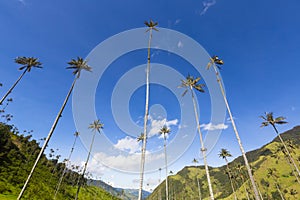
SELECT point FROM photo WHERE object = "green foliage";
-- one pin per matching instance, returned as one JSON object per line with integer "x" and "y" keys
{"x": 184, "y": 184}
{"x": 17, "y": 155}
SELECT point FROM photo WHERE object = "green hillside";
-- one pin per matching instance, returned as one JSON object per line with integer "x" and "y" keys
{"x": 184, "y": 184}
{"x": 17, "y": 155}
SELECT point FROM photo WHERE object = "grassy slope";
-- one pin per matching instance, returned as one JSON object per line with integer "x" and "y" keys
{"x": 184, "y": 185}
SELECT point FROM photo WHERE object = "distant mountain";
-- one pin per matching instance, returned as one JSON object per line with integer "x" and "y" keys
{"x": 125, "y": 194}
{"x": 184, "y": 185}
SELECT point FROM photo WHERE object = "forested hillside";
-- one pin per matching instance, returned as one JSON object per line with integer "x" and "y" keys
{"x": 17, "y": 155}
{"x": 273, "y": 173}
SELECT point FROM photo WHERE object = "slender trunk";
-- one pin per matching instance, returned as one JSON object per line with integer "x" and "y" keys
{"x": 229, "y": 175}
{"x": 65, "y": 169}
{"x": 47, "y": 139}
{"x": 199, "y": 189}
{"x": 203, "y": 150}
{"x": 292, "y": 168}
{"x": 85, "y": 166}
{"x": 166, "y": 163}
{"x": 256, "y": 194}
{"x": 143, "y": 156}
{"x": 286, "y": 149}
{"x": 13, "y": 86}
{"x": 278, "y": 189}
{"x": 243, "y": 183}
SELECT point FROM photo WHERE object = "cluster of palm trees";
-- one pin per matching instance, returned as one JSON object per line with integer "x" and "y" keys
{"x": 77, "y": 65}
{"x": 190, "y": 84}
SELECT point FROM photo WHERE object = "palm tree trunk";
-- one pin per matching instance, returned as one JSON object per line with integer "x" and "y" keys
{"x": 85, "y": 166}
{"x": 286, "y": 149}
{"x": 143, "y": 156}
{"x": 229, "y": 175}
{"x": 47, "y": 139}
{"x": 13, "y": 86}
{"x": 292, "y": 168}
{"x": 203, "y": 150}
{"x": 166, "y": 163}
{"x": 278, "y": 189}
{"x": 65, "y": 169}
{"x": 199, "y": 189}
{"x": 256, "y": 194}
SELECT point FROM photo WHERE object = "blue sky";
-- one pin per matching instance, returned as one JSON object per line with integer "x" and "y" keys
{"x": 258, "y": 41}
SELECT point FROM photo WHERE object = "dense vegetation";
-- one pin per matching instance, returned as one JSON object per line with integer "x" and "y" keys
{"x": 184, "y": 184}
{"x": 17, "y": 155}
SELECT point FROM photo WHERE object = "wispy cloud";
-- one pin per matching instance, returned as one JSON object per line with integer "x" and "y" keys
{"x": 207, "y": 4}
{"x": 179, "y": 44}
{"x": 128, "y": 143}
{"x": 22, "y": 2}
{"x": 212, "y": 127}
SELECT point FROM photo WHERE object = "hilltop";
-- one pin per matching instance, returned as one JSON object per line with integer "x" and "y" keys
{"x": 184, "y": 184}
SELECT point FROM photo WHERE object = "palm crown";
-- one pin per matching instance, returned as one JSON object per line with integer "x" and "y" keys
{"x": 78, "y": 65}
{"x": 191, "y": 82}
{"x": 224, "y": 153}
{"x": 269, "y": 119}
{"x": 151, "y": 25}
{"x": 96, "y": 125}
{"x": 215, "y": 60}
{"x": 140, "y": 137}
{"x": 164, "y": 130}
{"x": 28, "y": 62}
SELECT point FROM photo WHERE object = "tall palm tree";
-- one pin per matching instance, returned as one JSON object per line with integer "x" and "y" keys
{"x": 151, "y": 26}
{"x": 270, "y": 120}
{"x": 76, "y": 134}
{"x": 77, "y": 65}
{"x": 189, "y": 84}
{"x": 165, "y": 131}
{"x": 272, "y": 173}
{"x": 195, "y": 161}
{"x": 215, "y": 62}
{"x": 224, "y": 153}
{"x": 27, "y": 63}
{"x": 239, "y": 168}
{"x": 96, "y": 126}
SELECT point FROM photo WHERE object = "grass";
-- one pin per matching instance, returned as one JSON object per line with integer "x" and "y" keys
{"x": 7, "y": 197}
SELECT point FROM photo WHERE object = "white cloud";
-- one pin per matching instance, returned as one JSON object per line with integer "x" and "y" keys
{"x": 212, "y": 127}
{"x": 128, "y": 143}
{"x": 130, "y": 162}
{"x": 207, "y": 4}
{"x": 157, "y": 124}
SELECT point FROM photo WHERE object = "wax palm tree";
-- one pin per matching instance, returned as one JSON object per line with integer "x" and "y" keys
{"x": 272, "y": 173}
{"x": 151, "y": 26}
{"x": 281, "y": 148}
{"x": 27, "y": 63}
{"x": 239, "y": 169}
{"x": 190, "y": 84}
{"x": 224, "y": 153}
{"x": 270, "y": 120}
{"x": 195, "y": 161}
{"x": 215, "y": 62}
{"x": 76, "y": 134}
{"x": 77, "y": 65}
{"x": 96, "y": 126}
{"x": 165, "y": 131}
